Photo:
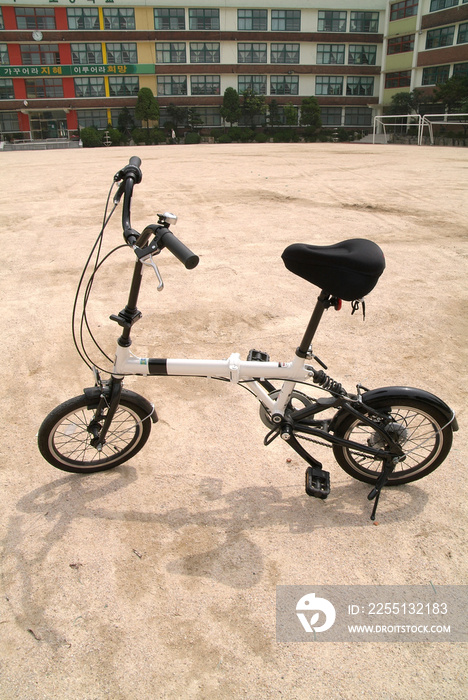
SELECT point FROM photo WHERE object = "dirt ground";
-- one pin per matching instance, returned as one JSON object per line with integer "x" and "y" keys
{"x": 157, "y": 579}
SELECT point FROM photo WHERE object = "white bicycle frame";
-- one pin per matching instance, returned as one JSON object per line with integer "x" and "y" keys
{"x": 232, "y": 369}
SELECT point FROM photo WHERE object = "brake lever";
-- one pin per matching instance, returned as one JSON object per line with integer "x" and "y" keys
{"x": 148, "y": 260}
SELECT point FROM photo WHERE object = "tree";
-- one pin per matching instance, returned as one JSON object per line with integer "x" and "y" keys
{"x": 193, "y": 119}
{"x": 406, "y": 102}
{"x": 291, "y": 114}
{"x": 253, "y": 105}
{"x": 274, "y": 117}
{"x": 125, "y": 122}
{"x": 310, "y": 114}
{"x": 453, "y": 93}
{"x": 231, "y": 109}
{"x": 146, "y": 108}
{"x": 178, "y": 115}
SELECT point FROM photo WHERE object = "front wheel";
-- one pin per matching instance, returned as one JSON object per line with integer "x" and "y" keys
{"x": 65, "y": 439}
{"x": 423, "y": 432}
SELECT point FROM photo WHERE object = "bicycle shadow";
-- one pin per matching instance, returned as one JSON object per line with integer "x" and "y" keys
{"x": 234, "y": 557}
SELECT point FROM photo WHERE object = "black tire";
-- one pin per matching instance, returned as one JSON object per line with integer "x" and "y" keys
{"x": 422, "y": 431}
{"x": 64, "y": 440}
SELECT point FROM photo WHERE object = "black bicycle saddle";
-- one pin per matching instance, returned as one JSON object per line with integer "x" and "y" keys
{"x": 348, "y": 270}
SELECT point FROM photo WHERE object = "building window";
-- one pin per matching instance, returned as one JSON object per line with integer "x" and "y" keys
{"x": 362, "y": 55}
{"x": 2, "y": 25}
{"x": 252, "y": 20}
{"x": 330, "y": 116}
{"x": 462, "y": 33}
{"x": 331, "y": 21}
{"x": 124, "y": 86}
{"x": 358, "y": 116}
{"x": 6, "y": 89}
{"x": 167, "y": 52}
{"x": 435, "y": 75}
{"x": 169, "y": 18}
{"x": 172, "y": 85}
{"x": 442, "y": 4}
{"x": 407, "y": 8}
{"x": 284, "y": 85}
{"x": 83, "y": 18}
{"x": 4, "y": 58}
{"x": 285, "y": 53}
{"x": 209, "y": 115}
{"x": 440, "y": 37}
{"x": 256, "y": 83}
{"x": 84, "y": 54}
{"x": 330, "y": 53}
{"x": 119, "y": 18}
{"x": 251, "y": 53}
{"x": 89, "y": 87}
{"x": 203, "y": 19}
{"x": 400, "y": 44}
{"x": 35, "y": 18}
{"x": 360, "y": 85}
{"x": 205, "y": 85}
{"x": 92, "y": 117}
{"x": 329, "y": 85}
{"x": 364, "y": 22}
{"x": 400, "y": 79}
{"x": 204, "y": 53}
{"x": 460, "y": 69}
{"x": 119, "y": 54}
{"x": 39, "y": 54}
{"x": 285, "y": 20}
{"x": 44, "y": 88}
{"x": 9, "y": 122}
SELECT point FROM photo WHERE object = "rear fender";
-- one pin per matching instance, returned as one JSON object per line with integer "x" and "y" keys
{"x": 380, "y": 396}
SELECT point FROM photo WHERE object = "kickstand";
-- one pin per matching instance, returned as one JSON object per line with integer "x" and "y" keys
{"x": 388, "y": 468}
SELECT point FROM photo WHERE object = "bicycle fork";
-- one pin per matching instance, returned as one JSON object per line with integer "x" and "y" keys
{"x": 109, "y": 404}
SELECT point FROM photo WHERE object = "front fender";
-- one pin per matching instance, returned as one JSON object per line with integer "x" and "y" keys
{"x": 374, "y": 397}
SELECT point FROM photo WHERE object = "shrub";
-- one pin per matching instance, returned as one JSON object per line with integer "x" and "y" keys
{"x": 90, "y": 137}
{"x": 237, "y": 133}
{"x": 140, "y": 136}
{"x": 261, "y": 137}
{"x": 116, "y": 137}
{"x": 192, "y": 137}
{"x": 224, "y": 138}
{"x": 158, "y": 136}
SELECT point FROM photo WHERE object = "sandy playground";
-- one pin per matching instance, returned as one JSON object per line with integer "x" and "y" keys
{"x": 157, "y": 579}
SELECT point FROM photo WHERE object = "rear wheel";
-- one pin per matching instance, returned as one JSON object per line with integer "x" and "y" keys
{"x": 420, "y": 429}
{"x": 64, "y": 438}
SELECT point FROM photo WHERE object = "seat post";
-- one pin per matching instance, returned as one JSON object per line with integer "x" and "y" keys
{"x": 320, "y": 306}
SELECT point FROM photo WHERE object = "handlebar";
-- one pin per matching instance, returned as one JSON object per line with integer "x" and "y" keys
{"x": 129, "y": 176}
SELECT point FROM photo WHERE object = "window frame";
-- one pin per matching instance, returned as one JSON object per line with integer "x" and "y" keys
{"x": 209, "y": 16}
{"x": 7, "y": 91}
{"x": 286, "y": 80}
{"x": 325, "y": 83}
{"x": 463, "y": 40}
{"x": 165, "y": 17}
{"x": 252, "y": 82}
{"x": 4, "y": 55}
{"x": 211, "y": 83}
{"x": 166, "y": 52}
{"x": 177, "y": 85}
{"x": 369, "y": 50}
{"x": 443, "y": 5}
{"x": 256, "y": 19}
{"x": 440, "y": 37}
{"x": 89, "y": 83}
{"x": 364, "y": 120}
{"x": 124, "y": 17}
{"x": 41, "y": 16}
{"x": 440, "y": 73}
{"x": 398, "y": 43}
{"x": 285, "y": 20}
{"x": 360, "y": 85}
{"x": 215, "y": 52}
{"x": 124, "y": 81}
{"x": 261, "y": 50}
{"x": 131, "y": 50}
{"x": 295, "y": 52}
{"x": 332, "y": 49}
{"x": 403, "y": 9}
{"x": 366, "y": 18}
{"x": 51, "y": 88}
{"x": 398, "y": 79}
{"x": 42, "y": 51}
{"x": 88, "y": 15}
{"x": 323, "y": 21}
{"x": 85, "y": 53}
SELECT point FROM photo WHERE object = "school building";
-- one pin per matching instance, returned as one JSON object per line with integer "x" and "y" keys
{"x": 67, "y": 64}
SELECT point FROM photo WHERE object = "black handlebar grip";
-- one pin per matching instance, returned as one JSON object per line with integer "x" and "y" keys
{"x": 181, "y": 252}
{"x": 134, "y": 160}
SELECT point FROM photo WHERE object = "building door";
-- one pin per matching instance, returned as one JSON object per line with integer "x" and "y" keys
{"x": 48, "y": 125}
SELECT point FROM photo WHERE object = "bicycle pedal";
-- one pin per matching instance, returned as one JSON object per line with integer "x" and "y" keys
{"x": 317, "y": 482}
{"x": 257, "y": 356}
